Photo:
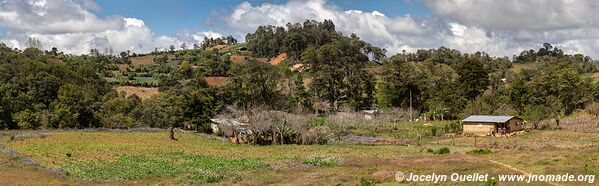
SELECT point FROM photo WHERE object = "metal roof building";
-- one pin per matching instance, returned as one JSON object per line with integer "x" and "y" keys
{"x": 490, "y": 125}
{"x": 489, "y": 119}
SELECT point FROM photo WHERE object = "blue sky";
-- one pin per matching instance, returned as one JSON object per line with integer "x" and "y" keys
{"x": 166, "y": 17}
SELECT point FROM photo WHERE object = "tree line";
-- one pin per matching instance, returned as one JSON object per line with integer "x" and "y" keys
{"x": 50, "y": 89}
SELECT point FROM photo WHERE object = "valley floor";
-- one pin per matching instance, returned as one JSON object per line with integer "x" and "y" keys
{"x": 148, "y": 157}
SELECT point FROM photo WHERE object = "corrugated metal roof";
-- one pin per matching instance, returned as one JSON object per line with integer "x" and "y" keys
{"x": 485, "y": 118}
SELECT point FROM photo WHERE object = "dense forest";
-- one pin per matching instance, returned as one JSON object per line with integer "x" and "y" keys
{"x": 50, "y": 89}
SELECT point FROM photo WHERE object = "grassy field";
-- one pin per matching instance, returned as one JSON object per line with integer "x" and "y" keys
{"x": 147, "y": 157}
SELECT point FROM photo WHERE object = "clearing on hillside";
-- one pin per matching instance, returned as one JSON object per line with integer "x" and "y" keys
{"x": 123, "y": 67}
{"x": 217, "y": 81}
{"x": 238, "y": 58}
{"x": 142, "y": 60}
{"x": 221, "y": 48}
{"x": 277, "y": 60}
{"x": 141, "y": 92}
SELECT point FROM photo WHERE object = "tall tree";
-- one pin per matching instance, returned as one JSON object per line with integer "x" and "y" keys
{"x": 474, "y": 77}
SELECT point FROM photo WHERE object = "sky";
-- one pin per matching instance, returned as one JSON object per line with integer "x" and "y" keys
{"x": 500, "y": 28}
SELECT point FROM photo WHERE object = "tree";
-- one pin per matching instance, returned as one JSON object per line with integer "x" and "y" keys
{"x": 73, "y": 109}
{"x": 198, "y": 109}
{"x": 124, "y": 57}
{"x": 254, "y": 83}
{"x": 535, "y": 113}
{"x": 34, "y": 43}
{"x": 518, "y": 95}
{"x": 172, "y": 48}
{"x": 183, "y": 46}
{"x": 473, "y": 77}
{"x": 338, "y": 73}
{"x": 295, "y": 43}
{"x": 185, "y": 70}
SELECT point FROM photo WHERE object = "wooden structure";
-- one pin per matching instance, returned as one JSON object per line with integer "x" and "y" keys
{"x": 491, "y": 125}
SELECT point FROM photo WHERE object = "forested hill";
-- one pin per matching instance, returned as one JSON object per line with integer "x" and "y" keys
{"x": 321, "y": 70}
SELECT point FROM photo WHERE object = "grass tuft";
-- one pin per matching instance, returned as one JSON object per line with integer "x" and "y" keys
{"x": 322, "y": 161}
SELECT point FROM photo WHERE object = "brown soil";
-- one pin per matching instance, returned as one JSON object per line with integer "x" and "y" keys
{"x": 238, "y": 58}
{"x": 217, "y": 81}
{"x": 277, "y": 60}
{"x": 143, "y": 60}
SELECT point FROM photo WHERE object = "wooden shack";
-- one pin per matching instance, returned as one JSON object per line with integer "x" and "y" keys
{"x": 490, "y": 125}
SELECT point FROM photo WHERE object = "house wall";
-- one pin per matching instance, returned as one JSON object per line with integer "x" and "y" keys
{"x": 513, "y": 124}
{"x": 479, "y": 128}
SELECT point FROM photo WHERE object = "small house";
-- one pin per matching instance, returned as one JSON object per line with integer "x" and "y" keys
{"x": 490, "y": 125}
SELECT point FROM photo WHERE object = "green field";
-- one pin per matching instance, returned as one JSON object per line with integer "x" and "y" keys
{"x": 148, "y": 157}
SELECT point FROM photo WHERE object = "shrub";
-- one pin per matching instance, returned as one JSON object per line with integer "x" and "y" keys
{"x": 453, "y": 127}
{"x": 322, "y": 161}
{"x": 27, "y": 119}
{"x": 480, "y": 151}
{"x": 443, "y": 150}
{"x": 593, "y": 109}
{"x": 318, "y": 135}
{"x": 317, "y": 122}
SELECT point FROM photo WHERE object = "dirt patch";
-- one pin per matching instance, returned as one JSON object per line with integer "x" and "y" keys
{"x": 217, "y": 81}
{"x": 123, "y": 67}
{"x": 141, "y": 92}
{"x": 595, "y": 75}
{"x": 238, "y": 58}
{"x": 277, "y": 60}
{"x": 143, "y": 60}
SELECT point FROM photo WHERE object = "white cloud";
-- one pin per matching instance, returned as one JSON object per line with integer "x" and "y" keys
{"x": 71, "y": 28}
{"x": 501, "y": 28}
{"x": 518, "y": 14}
{"x": 514, "y": 25}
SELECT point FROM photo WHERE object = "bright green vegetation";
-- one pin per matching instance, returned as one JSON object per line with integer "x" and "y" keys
{"x": 322, "y": 161}
{"x": 191, "y": 168}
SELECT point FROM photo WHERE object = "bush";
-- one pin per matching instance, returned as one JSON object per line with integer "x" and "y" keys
{"x": 318, "y": 135}
{"x": 480, "y": 151}
{"x": 593, "y": 109}
{"x": 322, "y": 161}
{"x": 317, "y": 122}
{"x": 453, "y": 127}
{"x": 443, "y": 150}
{"x": 27, "y": 119}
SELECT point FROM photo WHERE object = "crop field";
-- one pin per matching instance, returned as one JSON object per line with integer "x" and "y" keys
{"x": 148, "y": 157}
